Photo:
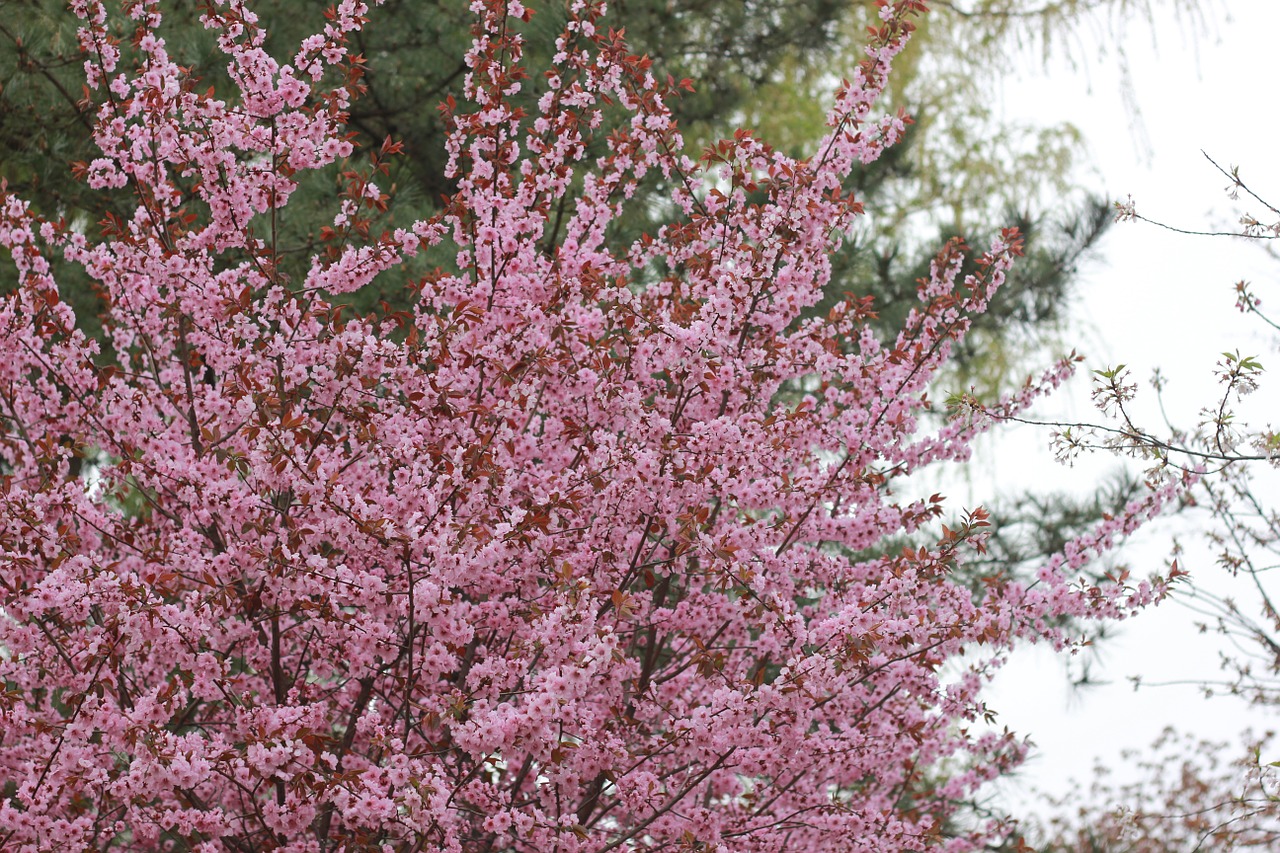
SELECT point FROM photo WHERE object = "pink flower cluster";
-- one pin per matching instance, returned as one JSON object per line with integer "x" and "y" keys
{"x": 586, "y": 553}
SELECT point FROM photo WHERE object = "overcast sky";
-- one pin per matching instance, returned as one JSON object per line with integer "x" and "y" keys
{"x": 1153, "y": 298}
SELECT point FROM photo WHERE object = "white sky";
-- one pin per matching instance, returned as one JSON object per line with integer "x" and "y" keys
{"x": 1154, "y": 298}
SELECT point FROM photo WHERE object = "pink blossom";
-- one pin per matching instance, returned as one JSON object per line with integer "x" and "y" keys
{"x": 561, "y": 561}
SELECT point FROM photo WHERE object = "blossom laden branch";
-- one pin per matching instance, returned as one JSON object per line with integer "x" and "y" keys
{"x": 557, "y": 559}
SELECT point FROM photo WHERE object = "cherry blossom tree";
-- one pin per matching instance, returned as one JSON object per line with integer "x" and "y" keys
{"x": 599, "y": 547}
